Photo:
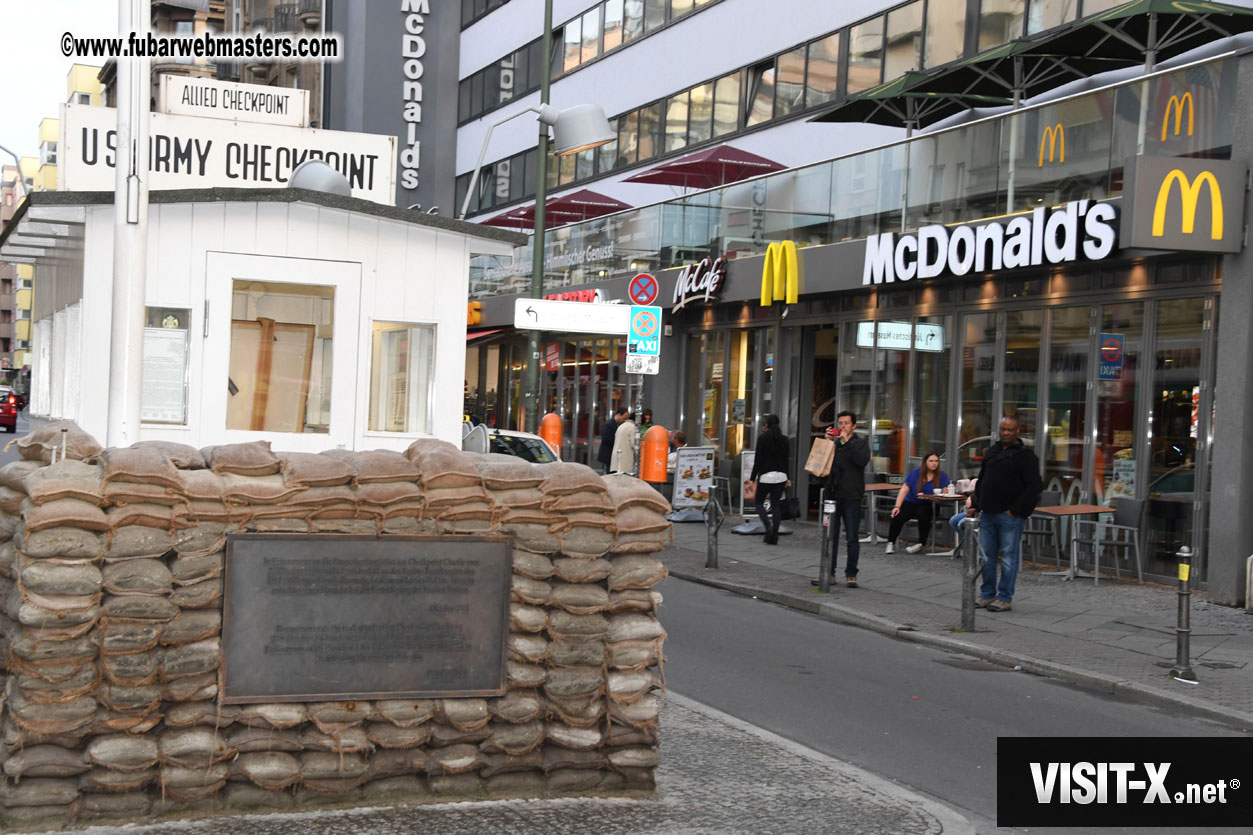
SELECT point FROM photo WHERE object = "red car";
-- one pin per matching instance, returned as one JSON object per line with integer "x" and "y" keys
{"x": 8, "y": 410}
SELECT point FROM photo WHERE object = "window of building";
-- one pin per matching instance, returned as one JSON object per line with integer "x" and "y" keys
{"x": 632, "y": 19}
{"x": 1048, "y": 14}
{"x": 865, "y": 55}
{"x": 678, "y": 8}
{"x": 654, "y": 14}
{"x": 591, "y": 35}
{"x": 607, "y": 154}
{"x": 628, "y": 138}
{"x": 48, "y": 153}
{"x": 946, "y": 32}
{"x": 650, "y": 131}
{"x": 903, "y": 47}
{"x": 472, "y": 10}
{"x": 822, "y": 70}
{"x": 789, "y": 79}
{"x": 280, "y": 359}
{"x": 676, "y": 122}
{"x": 402, "y": 379}
{"x": 700, "y": 114}
{"x": 613, "y": 25}
{"x": 727, "y": 104}
{"x": 82, "y": 98}
{"x": 572, "y": 41}
{"x": 1000, "y": 21}
{"x": 760, "y": 94}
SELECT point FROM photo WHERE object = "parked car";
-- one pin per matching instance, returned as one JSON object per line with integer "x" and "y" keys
{"x": 8, "y": 409}
{"x": 523, "y": 445}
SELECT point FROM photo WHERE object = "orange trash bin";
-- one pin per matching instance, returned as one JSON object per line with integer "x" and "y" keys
{"x": 550, "y": 430}
{"x": 653, "y": 454}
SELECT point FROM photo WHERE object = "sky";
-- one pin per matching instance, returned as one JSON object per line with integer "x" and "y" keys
{"x": 32, "y": 68}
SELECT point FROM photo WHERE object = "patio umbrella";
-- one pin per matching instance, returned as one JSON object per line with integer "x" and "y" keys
{"x": 709, "y": 168}
{"x": 896, "y": 103}
{"x": 560, "y": 210}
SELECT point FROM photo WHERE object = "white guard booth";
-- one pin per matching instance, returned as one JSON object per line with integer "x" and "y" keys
{"x": 306, "y": 319}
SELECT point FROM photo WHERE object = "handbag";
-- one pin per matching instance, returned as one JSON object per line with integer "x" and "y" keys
{"x": 821, "y": 454}
{"x": 790, "y": 508}
{"x": 750, "y": 491}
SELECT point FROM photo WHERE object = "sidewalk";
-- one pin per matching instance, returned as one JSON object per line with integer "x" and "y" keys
{"x": 1118, "y": 637}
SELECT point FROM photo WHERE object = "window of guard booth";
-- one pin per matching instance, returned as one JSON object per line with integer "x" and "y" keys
{"x": 280, "y": 362}
{"x": 1067, "y": 418}
{"x": 167, "y": 354}
{"x": 1020, "y": 381}
{"x": 856, "y": 375}
{"x": 1000, "y": 21}
{"x": 933, "y": 358}
{"x": 865, "y": 55}
{"x": 887, "y": 435}
{"x": 402, "y": 379}
{"x": 1174, "y": 412}
{"x": 741, "y": 387}
{"x": 974, "y": 431}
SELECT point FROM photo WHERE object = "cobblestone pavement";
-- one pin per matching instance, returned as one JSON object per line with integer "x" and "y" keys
{"x": 1118, "y": 636}
{"x": 717, "y": 775}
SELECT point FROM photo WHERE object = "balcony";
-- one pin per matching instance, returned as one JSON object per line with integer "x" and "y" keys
{"x": 311, "y": 13}
{"x": 285, "y": 18}
{"x": 6, "y": 330}
{"x": 227, "y": 70}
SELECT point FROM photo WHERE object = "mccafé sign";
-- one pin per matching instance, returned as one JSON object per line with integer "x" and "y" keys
{"x": 1080, "y": 229}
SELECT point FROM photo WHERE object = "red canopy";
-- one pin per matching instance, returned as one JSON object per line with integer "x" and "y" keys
{"x": 709, "y": 168}
{"x": 567, "y": 208}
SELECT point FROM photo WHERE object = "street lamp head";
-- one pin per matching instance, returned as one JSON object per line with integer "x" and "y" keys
{"x": 316, "y": 175}
{"x": 577, "y": 128}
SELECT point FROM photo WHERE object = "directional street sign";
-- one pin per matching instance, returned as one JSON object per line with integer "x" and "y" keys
{"x": 645, "y": 334}
{"x": 570, "y": 317}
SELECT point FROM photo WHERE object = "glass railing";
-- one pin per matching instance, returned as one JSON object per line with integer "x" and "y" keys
{"x": 1041, "y": 155}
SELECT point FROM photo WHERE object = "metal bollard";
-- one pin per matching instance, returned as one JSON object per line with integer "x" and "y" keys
{"x": 824, "y": 558}
{"x": 1183, "y": 631}
{"x": 970, "y": 573}
{"x": 713, "y": 517}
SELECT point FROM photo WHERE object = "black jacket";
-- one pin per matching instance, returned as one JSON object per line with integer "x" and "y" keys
{"x": 771, "y": 455}
{"x": 1008, "y": 480}
{"x": 848, "y": 469}
{"x": 605, "y": 453}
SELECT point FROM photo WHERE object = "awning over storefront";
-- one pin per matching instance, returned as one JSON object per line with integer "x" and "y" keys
{"x": 583, "y": 204}
{"x": 895, "y": 103}
{"x": 473, "y": 335}
{"x": 709, "y": 168}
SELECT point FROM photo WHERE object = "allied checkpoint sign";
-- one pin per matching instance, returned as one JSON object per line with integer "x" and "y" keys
{"x": 332, "y": 617}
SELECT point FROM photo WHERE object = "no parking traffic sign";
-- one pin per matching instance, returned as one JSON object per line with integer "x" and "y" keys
{"x": 644, "y": 340}
{"x": 643, "y": 289}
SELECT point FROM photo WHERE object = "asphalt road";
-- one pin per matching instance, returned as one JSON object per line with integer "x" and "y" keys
{"x": 921, "y": 717}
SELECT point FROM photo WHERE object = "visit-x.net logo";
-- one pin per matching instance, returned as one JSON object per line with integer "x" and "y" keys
{"x": 1138, "y": 781}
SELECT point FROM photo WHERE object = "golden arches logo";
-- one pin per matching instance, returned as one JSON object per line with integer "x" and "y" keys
{"x": 780, "y": 274}
{"x": 1176, "y": 104}
{"x": 1190, "y": 193}
{"x": 1055, "y": 136}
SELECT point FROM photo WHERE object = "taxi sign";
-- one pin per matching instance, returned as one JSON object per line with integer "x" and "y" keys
{"x": 644, "y": 337}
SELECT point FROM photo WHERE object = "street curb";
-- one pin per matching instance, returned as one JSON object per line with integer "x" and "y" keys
{"x": 1111, "y": 685}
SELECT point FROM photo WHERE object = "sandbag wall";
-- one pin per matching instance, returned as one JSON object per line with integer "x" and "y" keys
{"x": 111, "y": 577}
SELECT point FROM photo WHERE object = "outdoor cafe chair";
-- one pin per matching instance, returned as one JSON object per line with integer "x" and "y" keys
{"x": 1123, "y": 532}
{"x": 1040, "y": 525}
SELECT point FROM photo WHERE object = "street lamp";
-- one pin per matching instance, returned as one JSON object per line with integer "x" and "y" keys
{"x": 575, "y": 129}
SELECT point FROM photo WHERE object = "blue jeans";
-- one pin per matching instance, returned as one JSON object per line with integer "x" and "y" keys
{"x": 1000, "y": 532}
{"x": 847, "y": 511}
{"x": 956, "y": 524}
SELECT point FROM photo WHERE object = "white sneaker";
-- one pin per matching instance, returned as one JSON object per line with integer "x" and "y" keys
{"x": 915, "y": 548}
{"x": 891, "y": 549}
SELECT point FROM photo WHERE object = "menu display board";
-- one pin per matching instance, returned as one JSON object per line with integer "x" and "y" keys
{"x": 693, "y": 476}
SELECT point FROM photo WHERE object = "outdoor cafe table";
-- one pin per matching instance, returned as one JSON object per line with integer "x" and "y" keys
{"x": 874, "y": 490}
{"x": 938, "y": 499}
{"x": 1064, "y": 510}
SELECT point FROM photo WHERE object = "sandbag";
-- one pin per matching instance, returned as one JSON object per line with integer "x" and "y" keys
{"x": 137, "y": 576}
{"x": 271, "y": 770}
{"x": 350, "y": 740}
{"x": 525, "y": 590}
{"x": 191, "y": 659}
{"x": 578, "y": 598}
{"x": 322, "y": 765}
{"x": 564, "y": 478}
{"x": 254, "y": 458}
{"x": 134, "y": 669}
{"x": 198, "y": 595}
{"x": 577, "y": 739}
{"x": 193, "y": 747}
{"x": 201, "y": 485}
{"x": 201, "y": 713}
{"x": 137, "y": 542}
{"x": 129, "y": 492}
{"x": 464, "y": 714}
{"x": 627, "y": 491}
{"x": 69, "y": 479}
{"x": 523, "y": 675}
{"x": 572, "y": 627}
{"x": 517, "y": 739}
{"x": 634, "y": 600}
{"x": 577, "y": 653}
{"x": 508, "y": 472}
{"x": 249, "y": 740}
{"x": 77, "y": 444}
{"x": 139, "y": 607}
{"x": 634, "y": 627}
{"x": 530, "y": 649}
{"x": 13, "y": 475}
{"x": 45, "y": 761}
{"x": 191, "y": 625}
{"x": 43, "y": 577}
{"x": 516, "y": 706}
{"x": 534, "y": 566}
{"x": 445, "y": 467}
{"x": 387, "y": 735}
{"x": 71, "y": 513}
{"x": 309, "y": 469}
{"x": 581, "y": 571}
{"x": 635, "y": 572}
{"x": 123, "y": 752}
{"x": 455, "y": 759}
{"x": 524, "y": 618}
{"x": 379, "y": 466}
{"x": 121, "y": 636}
{"x": 143, "y": 465}
{"x": 148, "y": 514}
{"x": 267, "y": 489}
{"x": 405, "y": 713}
{"x": 182, "y": 456}
{"x": 60, "y": 541}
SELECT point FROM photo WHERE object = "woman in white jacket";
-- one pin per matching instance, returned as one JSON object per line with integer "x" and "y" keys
{"x": 622, "y": 460}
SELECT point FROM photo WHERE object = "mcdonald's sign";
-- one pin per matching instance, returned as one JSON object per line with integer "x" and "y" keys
{"x": 1185, "y": 204}
{"x": 1175, "y": 105}
{"x": 1055, "y": 136}
{"x": 780, "y": 274}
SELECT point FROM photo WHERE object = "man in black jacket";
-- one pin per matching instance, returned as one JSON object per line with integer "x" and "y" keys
{"x": 1006, "y": 494}
{"x": 847, "y": 484}
{"x": 605, "y": 454}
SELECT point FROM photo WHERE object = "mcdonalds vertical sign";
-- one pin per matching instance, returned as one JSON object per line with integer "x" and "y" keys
{"x": 1185, "y": 204}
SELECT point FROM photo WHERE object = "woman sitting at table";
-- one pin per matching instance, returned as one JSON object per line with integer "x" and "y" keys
{"x": 921, "y": 481}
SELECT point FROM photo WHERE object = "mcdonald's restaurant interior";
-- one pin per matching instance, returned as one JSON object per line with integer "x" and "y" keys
{"x": 1123, "y": 376}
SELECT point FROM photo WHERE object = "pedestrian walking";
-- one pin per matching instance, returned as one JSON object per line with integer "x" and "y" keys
{"x": 1005, "y": 495}
{"x": 770, "y": 476}
{"x": 847, "y": 485}
{"x": 922, "y": 481}
{"x": 607, "y": 434}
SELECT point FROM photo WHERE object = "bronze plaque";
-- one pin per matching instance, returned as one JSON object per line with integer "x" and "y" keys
{"x": 327, "y": 618}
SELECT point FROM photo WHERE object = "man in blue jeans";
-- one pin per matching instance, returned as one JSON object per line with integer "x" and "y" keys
{"x": 847, "y": 484}
{"x": 1006, "y": 494}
